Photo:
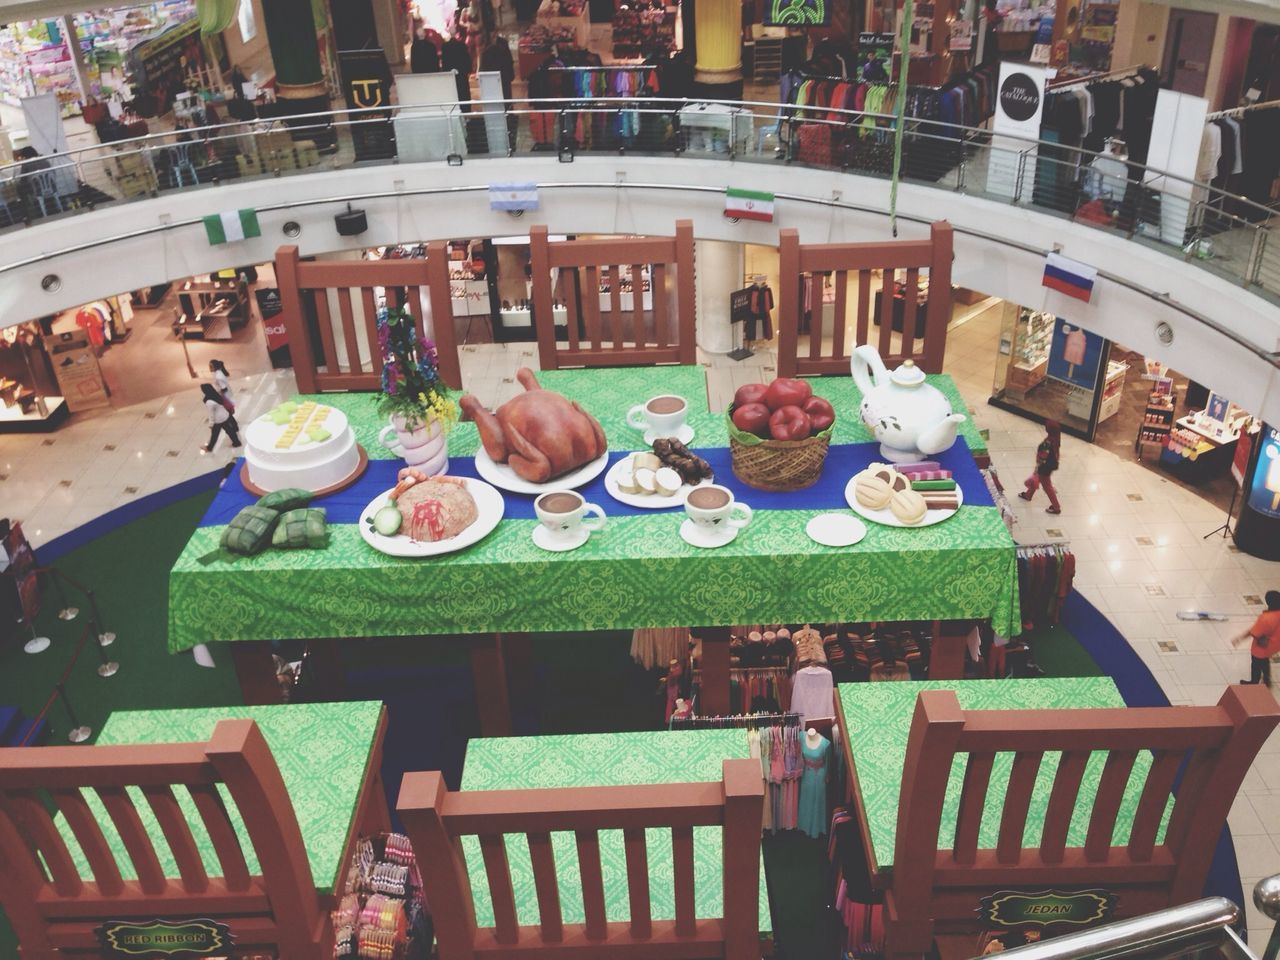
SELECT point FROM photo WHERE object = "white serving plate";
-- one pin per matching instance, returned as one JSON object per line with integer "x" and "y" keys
{"x": 489, "y": 510}
{"x": 650, "y": 502}
{"x": 502, "y": 476}
{"x": 885, "y": 515}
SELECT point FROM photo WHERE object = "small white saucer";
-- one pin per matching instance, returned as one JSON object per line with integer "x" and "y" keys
{"x": 835, "y": 529}
{"x": 542, "y": 537}
{"x": 697, "y": 536}
{"x": 684, "y": 435}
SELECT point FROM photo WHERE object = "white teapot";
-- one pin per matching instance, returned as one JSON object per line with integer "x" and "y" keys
{"x": 911, "y": 418}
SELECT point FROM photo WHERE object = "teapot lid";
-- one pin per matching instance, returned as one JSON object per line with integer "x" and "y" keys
{"x": 908, "y": 375}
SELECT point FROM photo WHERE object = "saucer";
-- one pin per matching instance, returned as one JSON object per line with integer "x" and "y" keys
{"x": 542, "y": 537}
{"x": 835, "y": 529}
{"x": 684, "y": 435}
{"x": 697, "y": 536}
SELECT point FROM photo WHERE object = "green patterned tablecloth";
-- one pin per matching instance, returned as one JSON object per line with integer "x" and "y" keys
{"x": 605, "y": 760}
{"x": 322, "y": 749}
{"x": 877, "y": 718}
{"x": 638, "y": 574}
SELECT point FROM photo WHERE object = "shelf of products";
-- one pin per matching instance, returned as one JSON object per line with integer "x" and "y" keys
{"x": 1112, "y": 390}
{"x": 1157, "y": 423}
{"x": 1029, "y": 354}
{"x": 643, "y": 26}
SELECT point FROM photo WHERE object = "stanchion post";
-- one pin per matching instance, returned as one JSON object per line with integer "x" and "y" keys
{"x": 105, "y": 637}
{"x": 65, "y": 610}
{"x": 36, "y": 644}
{"x": 79, "y": 733}
{"x": 106, "y": 668}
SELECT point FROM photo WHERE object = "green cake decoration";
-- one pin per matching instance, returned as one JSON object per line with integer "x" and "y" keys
{"x": 318, "y": 433}
{"x": 301, "y": 529}
{"x": 249, "y": 532}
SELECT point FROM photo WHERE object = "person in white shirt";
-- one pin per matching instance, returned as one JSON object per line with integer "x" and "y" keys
{"x": 222, "y": 380}
{"x": 220, "y": 418}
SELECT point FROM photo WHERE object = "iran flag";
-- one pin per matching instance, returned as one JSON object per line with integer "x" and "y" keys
{"x": 234, "y": 225}
{"x": 748, "y": 205}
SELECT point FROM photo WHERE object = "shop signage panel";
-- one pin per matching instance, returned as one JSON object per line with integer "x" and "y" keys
{"x": 875, "y": 56}
{"x": 740, "y": 305}
{"x": 1019, "y": 106}
{"x": 1046, "y": 908}
{"x": 1264, "y": 489}
{"x": 164, "y": 938}
{"x": 797, "y": 13}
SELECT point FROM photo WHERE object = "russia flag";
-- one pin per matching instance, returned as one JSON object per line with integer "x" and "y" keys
{"x": 1071, "y": 277}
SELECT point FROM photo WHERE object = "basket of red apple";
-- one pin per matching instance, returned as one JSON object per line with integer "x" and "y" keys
{"x": 779, "y": 434}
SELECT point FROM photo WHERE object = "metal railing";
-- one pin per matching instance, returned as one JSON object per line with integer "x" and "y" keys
{"x": 1224, "y": 233}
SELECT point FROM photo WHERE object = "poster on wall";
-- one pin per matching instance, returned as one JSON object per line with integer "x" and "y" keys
{"x": 1264, "y": 490}
{"x": 1075, "y": 354}
{"x": 797, "y": 13}
{"x": 875, "y": 57}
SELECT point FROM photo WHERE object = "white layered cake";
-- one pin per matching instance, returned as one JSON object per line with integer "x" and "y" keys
{"x": 308, "y": 445}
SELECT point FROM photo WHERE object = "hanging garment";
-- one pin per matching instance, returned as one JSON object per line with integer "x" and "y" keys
{"x": 812, "y": 818}
{"x": 812, "y": 692}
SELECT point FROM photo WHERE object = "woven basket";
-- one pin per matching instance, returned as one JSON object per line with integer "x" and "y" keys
{"x": 777, "y": 465}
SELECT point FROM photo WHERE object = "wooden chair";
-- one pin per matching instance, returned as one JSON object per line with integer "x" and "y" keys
{"x": 937, "y": 889}
{"x": 809, "y": 264}
{"x": 436, "y": 820}
{"x": 313, "y": 347}
{"x": 581, "y": 266}
{"x": 54, "y": 910}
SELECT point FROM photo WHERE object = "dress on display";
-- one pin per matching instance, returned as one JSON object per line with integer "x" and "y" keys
{"x": 813, "y": 788}
{"x": 812, "y": 692}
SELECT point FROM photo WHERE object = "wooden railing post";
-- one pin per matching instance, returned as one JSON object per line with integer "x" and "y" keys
{"x": 687, "y": 295}
{"x": 442, "y": 328}
{"x": 1254, "y": 713}
{"x": 244, "y": 762}
{"x": 743, "y": 820}
{"x": 21, "y": 882}
{"x": 544, "y": 317}
{"x": 444, "y": 871}
{"x": 938, "y": 313}
{"x": 789, "y": 303}
{"x": 295, "y": 323}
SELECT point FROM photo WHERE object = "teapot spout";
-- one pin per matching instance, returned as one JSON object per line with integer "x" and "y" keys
{"x": 942, "y": 435}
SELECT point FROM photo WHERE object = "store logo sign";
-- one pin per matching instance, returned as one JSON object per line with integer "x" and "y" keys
{"x": 1019, "y": 97}
{"x": 366, "y": 93}
{"x": 166, "y": 938}
{"x": 1045, "y": 908}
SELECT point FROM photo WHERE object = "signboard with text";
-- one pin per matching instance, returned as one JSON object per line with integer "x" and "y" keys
{"x": 151, "y": 939}
{"x": 1014, "y": 918}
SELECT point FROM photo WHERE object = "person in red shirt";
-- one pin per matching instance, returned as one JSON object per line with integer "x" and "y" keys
{"x": 1265, "y": 634}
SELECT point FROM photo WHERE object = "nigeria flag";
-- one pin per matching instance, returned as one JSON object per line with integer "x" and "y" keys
{"x": 234, "y": 225}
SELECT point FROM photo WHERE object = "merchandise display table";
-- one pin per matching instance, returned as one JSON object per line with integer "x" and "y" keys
{"x": 637, "y": 573}
{"x": 877, "y": 721}
{"x": 605, "y": 760}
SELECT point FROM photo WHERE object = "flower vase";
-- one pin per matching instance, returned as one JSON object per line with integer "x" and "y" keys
{"x": 424, "y": 447}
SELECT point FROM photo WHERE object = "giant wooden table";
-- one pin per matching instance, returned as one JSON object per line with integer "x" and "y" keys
{"x": 638, "y": 573}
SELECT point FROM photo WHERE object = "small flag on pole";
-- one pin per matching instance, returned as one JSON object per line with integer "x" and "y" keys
{"x": 1070, "y": 277}
{"x": 513, "y": 196}
{"x": 748, "y": 205}
{"x": 231, "y": 226}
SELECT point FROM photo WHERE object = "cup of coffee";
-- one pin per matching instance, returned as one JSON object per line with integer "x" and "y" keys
{"x": 712, "y": 508}
{"x": 564, "y": 513}
{"x": 663, "y": 416}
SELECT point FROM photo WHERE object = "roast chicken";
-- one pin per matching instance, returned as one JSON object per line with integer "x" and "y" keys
{"x": 539, "y": 434}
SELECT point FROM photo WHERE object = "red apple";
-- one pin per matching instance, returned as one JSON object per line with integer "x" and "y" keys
{"x": 785, "y": 392}
{"x": 789, "y": 423}
{"x": 752, "y": 418}
{"x": 821, "y": 413}
{"x": 749, "y": 393}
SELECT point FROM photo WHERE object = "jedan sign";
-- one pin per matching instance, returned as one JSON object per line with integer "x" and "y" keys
{"x": 1019, "y": 97}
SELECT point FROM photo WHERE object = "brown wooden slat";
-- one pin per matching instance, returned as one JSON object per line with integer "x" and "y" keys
{"x": 682, "y": 861}
{"x": 841, "y": 307}
{"x": 413, "y": 300}
{"x": 1195, "y": 780}
{"x": 39, "y": 826}
{"x": 348, "y": 318}
{"x": 177, "y": 834}
{"x": 588, "y": 842}
{"x": 146, "y": 866}
{"x": 973, "y": 799}
{"x": 1017, "y": 801}
{"x": 816, "y": 313}
{"x": 909, "y": 313}
{"x": 864, "y": 308}
{"x": 591, "y": 306}
{"x": 686, "y": 293}
{"x": 638, "y": 881}
{"x": 569, "y": 278}
{"x": 1106, "y": 805}
{"x": 614, "y": 277}
{"x": 661, "y": 315}
{"x": 358, "y": 273}
{"x": 1103, "y": 729}
{"x": 1062, "y": 804}
{"x": 829, "y": 257}
{"x": 601, "y": 253}
{"x": 498, "y": 872}
{"x": 321, "y": 300}
{"x": 886, "y": 312}
{"x": 84, "y": 825}
{"x": 226, "y": 843}
{"x": 1151, "y": 805}
{"x": 543, "y": 860}
{"x": 370, "y": 308}
{"x": 790, "y": 302}
{"x": 638, "y": 334}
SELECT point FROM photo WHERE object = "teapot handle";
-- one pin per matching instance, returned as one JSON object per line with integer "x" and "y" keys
{"x": 867, "y": 368}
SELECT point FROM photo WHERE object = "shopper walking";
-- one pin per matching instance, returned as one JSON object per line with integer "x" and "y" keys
{"x": 220, "y": 418}
{"x": 1265, "y": 634}
{"x": 222, "y": 380}
{"x": 1046, "y": 464}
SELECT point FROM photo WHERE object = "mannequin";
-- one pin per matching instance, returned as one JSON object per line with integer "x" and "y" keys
{"x": 812, "y": 818}
{"x": 812, "y": 738}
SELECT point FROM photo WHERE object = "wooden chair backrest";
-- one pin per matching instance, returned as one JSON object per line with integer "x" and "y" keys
{"x": 435, "y": 820}
{"x": 51, "y": 906}
{"x": 318, "y": 361}
{"x": 614, "y": 338}
{"x": 808, "y": 264}
{"x": 1207, "y": 750}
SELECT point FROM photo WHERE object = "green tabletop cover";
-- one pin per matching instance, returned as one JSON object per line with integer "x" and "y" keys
{"x": 322, "y": 749}
{"x": 877, "y": 718}
{"x": 602, "y": 760}
{"x": 640, "y": 573}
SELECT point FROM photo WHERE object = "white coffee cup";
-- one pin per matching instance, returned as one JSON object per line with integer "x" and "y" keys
{"x": 565, "y": 514}
{"x": 662, "y": 415}
{"x": 712, "y": 508}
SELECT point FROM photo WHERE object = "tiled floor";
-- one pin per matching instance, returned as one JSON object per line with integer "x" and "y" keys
{"x": 1138, "y": 538}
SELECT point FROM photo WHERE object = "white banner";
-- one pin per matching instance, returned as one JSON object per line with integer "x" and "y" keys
{"x": 46, "y": 133}
{"x": 1019, "y": 108}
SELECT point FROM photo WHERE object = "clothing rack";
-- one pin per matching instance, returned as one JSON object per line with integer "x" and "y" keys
{"x": 1095, "y": 78}
{"x": 608, "y": 67}
{"x": 737, "y": 721}
{"x": 1237, "y": 111}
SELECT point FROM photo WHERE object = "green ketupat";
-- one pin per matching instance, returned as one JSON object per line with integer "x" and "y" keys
{"x": 285, "y": 500}
{"x": 249, "y": 532}
{"x": 301, "y": 529}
